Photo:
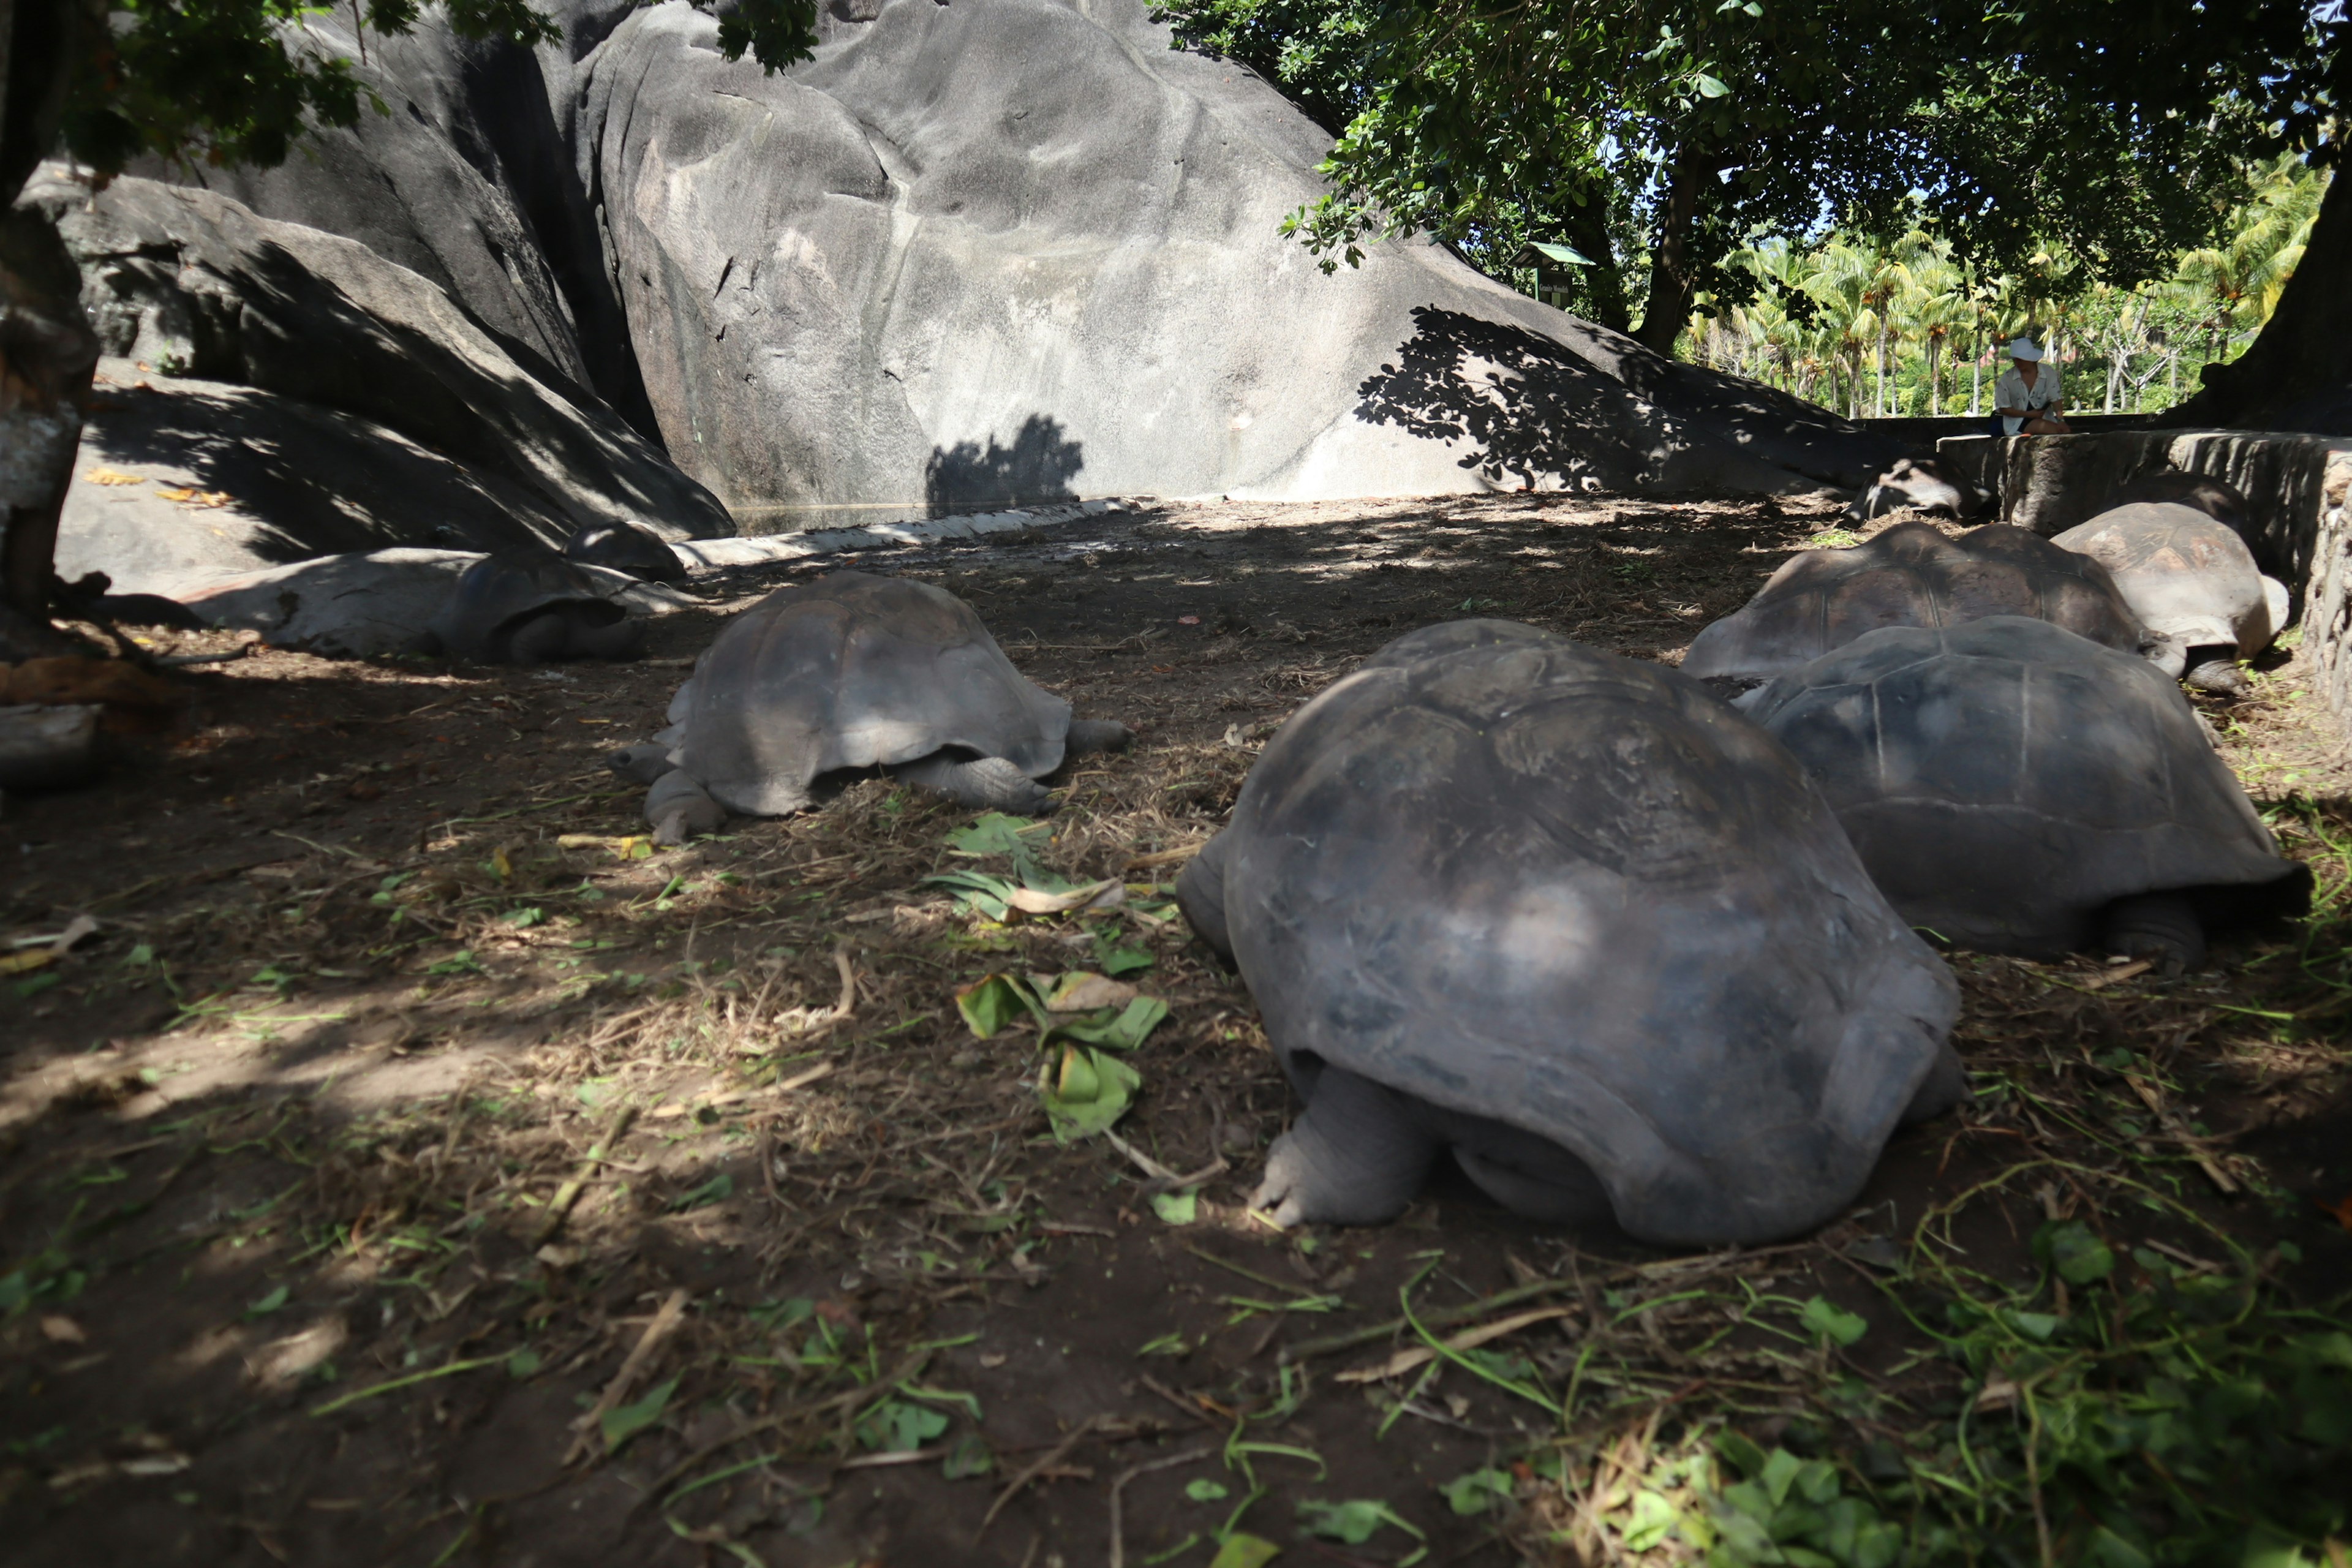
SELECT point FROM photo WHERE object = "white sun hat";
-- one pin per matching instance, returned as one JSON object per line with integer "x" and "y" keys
{"x": 2025, "y": 349}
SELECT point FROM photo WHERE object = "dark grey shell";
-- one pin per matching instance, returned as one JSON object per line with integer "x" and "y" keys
{"x": 2006, "y": 780}
{"x": 853, "y": 671}
{"x": 1909, "y": 575}
{"x": 498, "y": 593}
{"x": 1527, "y": 880}
{"x": 2188, "y": 575}
{"x": 625, "y": 547}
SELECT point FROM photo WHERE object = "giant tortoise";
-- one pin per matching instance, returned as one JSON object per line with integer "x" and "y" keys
{"x": 853, "y": 671}
{"x": 2016, "y": 788}
{"x": 1572, "y": 918}
{"x": 2193, "y": 583}
{"x": 1909, "y": 575}
{"x": 518, "y": 610}
{"x": 1920, "y": 484}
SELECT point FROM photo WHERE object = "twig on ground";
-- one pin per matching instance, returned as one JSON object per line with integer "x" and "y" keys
{"x": 1118, "y": 1531}
{"x": 665, "y": 1322}
{"x": 559, "y": 1207}
{"x": 2181, "y": 1133}
{"x": 1054, "y": 1457}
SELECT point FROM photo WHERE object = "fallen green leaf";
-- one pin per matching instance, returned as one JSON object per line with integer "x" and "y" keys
{"x": 620, "y": 1426}
{"x": 1090, "y": 1091}
{"x": 268, "y": 1304}
{"x": 1206, "y": 1491}
{"x": 898, "y": 1428}
{"x": 1179, "y": 1207}
{"x": 1122, "y": 1032}
{"x": 994, "y": 1002}
{"x": 969, "y": 1455}
{"x": 719, "y": 1189}
{"x": 1835, "y": 1323}
{"x": 1244, "y": 1551}
{"x": 1477, "y": 1491}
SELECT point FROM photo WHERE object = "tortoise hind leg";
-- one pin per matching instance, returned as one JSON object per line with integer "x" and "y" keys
{"x": 979, "y": 783}
{"x": 539, "y": 639}
{"x": 618, "y": 640}
{"x": 1357, "y": 1155}
{"x": 2160, "y": 927}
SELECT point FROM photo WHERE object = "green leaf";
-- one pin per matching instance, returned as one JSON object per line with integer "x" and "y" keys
{"x": 1115, "y": 960}
{"x": 1650, "y": 1521}
{"x": 990, "y": 896}
{"x": 524, "y": 1362}
{"x": 1179, "y": 1207}
{"x": 459, "y": 963}
{"x": 1708, "y": 86}
{"x": 896, "y": 1426}
{"x": 2035, "y": 1326}
{"x": 526, "y": 917}
{"x": 2074, "y": 1250}
{"x": 620, "y": 1426}
{"x": 996, "y": 1001}
{"x": 1206, "y": 1491}
{"x": 1476, "y": 1493}
{"x": 969, "y": 1456}
{"x": 993, "y": 833}
{"x": 719, "y": 1189}
{"x": 1351, "y": 1523}
{"x": 1123, "y": 1032}
{"x": 1172, "y": 1344}
{"x": 1835, "y": 1322}
{"x": 1244, "y": 1551}
{"x": 1091, "y": 1091}
{"x": 268, "y": 1304}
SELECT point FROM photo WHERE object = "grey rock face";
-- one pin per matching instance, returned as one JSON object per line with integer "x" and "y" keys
{"x": 231, "y": 480}
{"x": 192, "y": 282}
{"x": 982, "y": 255}
{"x": 1016, "y": 250}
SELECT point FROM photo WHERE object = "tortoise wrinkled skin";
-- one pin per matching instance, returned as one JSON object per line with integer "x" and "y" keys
{"x": 854, "y": 671}
{"x": 2007, "y": 782}
{"x": 1551, "y": 892}
{"x": 1909, "y": 575}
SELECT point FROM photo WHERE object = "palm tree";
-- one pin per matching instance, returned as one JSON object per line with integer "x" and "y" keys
{"x": 2240, "y": 279}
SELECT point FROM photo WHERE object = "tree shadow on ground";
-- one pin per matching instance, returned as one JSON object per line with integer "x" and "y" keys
{"x": 1038, "y": 467}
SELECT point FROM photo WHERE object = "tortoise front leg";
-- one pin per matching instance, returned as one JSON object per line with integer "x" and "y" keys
{"x": 1357, "y": 1155}
{"x": 981, "y": 782}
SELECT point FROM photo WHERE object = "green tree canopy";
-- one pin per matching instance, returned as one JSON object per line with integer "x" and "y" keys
{"x": 1673, "y": 131}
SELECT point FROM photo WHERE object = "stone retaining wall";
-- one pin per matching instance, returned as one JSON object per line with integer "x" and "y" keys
{"x": 2296, "y": 489}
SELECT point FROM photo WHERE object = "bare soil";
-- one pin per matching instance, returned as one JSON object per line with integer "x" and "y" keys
{"x": 382, "y": 964}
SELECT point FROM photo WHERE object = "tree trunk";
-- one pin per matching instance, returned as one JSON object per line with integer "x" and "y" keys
{"x": 1935, "y": 376}
{"x": 1976, "y": 383}
{"x": 1672, "y": 283}
{"x": 2295, "y": 375}
{"x": 1588, "y": 231}
{"x": 1878, "y": 365}
{"x": 47, "y": 349}
{"x": 46, "y": 355}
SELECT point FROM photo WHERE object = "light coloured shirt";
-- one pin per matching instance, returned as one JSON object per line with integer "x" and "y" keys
{"x": 2010, "y": 391}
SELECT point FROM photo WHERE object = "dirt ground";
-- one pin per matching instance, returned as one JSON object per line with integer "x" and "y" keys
{"x": 414, "y": 1168}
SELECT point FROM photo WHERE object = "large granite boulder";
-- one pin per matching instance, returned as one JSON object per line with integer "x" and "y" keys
{"x": 988, "y": 254}
{"x": 359, "y": 369}
{"x": 1012, "y": 249}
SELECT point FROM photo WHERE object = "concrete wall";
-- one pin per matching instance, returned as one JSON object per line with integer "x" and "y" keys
{"x": 2296, "y": 488}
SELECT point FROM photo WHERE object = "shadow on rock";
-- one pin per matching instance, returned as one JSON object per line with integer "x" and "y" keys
{"x": 1036, "y": 467}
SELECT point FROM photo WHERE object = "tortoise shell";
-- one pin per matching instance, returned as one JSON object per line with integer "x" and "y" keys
{"x": 1909, "y": 575}
{"x": 498, "y": 593}
{"x": 2187, "y": 575}
{"x": 1527, "y": 880}
{"x": 853, "y": 671}
{"x": 2006, "y": 780}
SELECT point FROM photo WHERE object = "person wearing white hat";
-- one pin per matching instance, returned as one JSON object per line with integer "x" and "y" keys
{"x": 2028, "y": 400}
